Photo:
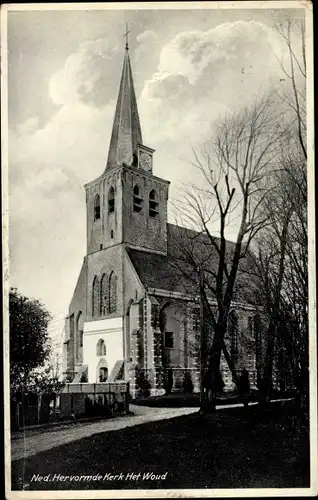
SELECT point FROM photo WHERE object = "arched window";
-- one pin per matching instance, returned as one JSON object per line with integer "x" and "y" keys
{"x": 79, "y": 332}
{"x": 103, "y": 295}
{"x": 95, "y": 298}
{"x": 97, "y": 207}
{"x": 112, "y": 293}
{"x": 101, "y": 348}
{"x": 111, "y": 200}
{"x": 153, "y": 204}
{"x": 137, "y": 199}
{"x": 233, "y": 334}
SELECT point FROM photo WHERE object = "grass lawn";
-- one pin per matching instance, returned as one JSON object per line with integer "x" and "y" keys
{"x": 231, "y": 449}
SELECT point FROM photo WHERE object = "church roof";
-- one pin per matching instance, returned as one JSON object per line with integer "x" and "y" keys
{"x": 161, "y": 271}
{"x": 126, "y": 132}
{"x": 173, "y": 272}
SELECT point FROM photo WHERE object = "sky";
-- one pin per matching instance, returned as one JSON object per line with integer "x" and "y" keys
{"x": 189, "y": 68}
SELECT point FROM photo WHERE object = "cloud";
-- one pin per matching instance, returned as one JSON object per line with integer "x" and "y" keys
{"x": 202, "y": 73}
{"x": 146, "y": 37}
{"x": 84, "y": 73}
{"x": 29, "y": 126}
{"x": 47, "y": 170}
{"x": 48, "y": 167}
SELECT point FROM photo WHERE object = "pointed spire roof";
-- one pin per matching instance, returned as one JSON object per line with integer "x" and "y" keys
{"x": 126, "y": 133}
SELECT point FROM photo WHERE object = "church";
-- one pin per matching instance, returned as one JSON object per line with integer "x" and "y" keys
{"x": 134, "y": 314}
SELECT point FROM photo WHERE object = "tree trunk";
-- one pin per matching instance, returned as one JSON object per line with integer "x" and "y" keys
{"x": 202, "y": 342}
{"x": 267, "y": 380}
{"x": 54, "y": 407}
{"x": 17, "y": 415}
{"x": 39, "y": 407}
{"x": 214, "y": 361}
{"x": 231, "y": 366}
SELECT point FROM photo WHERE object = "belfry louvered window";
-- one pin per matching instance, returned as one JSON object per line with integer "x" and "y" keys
{"x": 137, "y": 199}
{"x": 111, "y": 200}
{"x": 153, "y": 204}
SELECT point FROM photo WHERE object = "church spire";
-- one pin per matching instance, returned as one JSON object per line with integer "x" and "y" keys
{"x": 126, "y": 133}
{"x": 126, "y": 35}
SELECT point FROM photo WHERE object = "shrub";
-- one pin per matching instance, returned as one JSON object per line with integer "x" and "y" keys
{"x": 187, "y": 383}
{"x": 143, "y": 383}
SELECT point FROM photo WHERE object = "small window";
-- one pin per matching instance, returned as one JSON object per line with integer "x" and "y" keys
{"x": 101, "y": 246}
{"x": 153, "y": 204}
{"x": 81, "y": 337}
{"x": 169, "y": 340}
{"x": 111, "y": 200}
{"x": 97, "y": 207}
{"x": 137, "y": 200}
{"x": 112, "y": 234}
{"x": 101, "y": 348}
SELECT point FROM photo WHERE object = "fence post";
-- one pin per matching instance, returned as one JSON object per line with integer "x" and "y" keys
{"x": 127, "y": 398}
{"x": 39, "y": 406}
{"x": 17, "y": 415}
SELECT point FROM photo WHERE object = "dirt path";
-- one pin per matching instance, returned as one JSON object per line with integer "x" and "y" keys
{"x": 30, "y": 443}
{"x": 34, "y": 441}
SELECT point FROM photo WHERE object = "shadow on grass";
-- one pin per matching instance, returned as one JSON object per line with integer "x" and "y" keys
{"x": 230, "y": 449}
{"x": 178, "y": 400}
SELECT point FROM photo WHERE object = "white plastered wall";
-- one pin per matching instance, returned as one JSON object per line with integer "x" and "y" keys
{"x": 111, "y": 331}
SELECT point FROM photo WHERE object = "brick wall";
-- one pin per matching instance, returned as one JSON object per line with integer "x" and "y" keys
{"x": 107, "y": 230}
{"x": 139, "y": 229}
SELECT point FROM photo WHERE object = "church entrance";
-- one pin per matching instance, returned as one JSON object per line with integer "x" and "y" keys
{"x": 102, "y": 371}
{"x": 103, "y": 374}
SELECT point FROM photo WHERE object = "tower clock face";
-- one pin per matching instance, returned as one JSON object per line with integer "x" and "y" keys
{"x": 145, "y": 161}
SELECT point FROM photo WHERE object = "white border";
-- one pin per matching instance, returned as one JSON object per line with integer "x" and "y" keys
{"x": 196, "y": 493}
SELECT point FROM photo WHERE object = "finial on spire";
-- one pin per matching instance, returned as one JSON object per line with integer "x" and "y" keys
{"x": 126, "y": 35}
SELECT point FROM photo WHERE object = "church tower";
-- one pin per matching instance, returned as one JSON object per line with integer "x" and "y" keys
{"x": 127, "y": 204}
{"x": 126, "y": 209}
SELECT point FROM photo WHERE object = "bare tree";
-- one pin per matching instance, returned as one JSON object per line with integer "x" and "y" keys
{"x": 283, "y": 264}
{"x": 293, "y": 93}
{"x": 233, "y": 168}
